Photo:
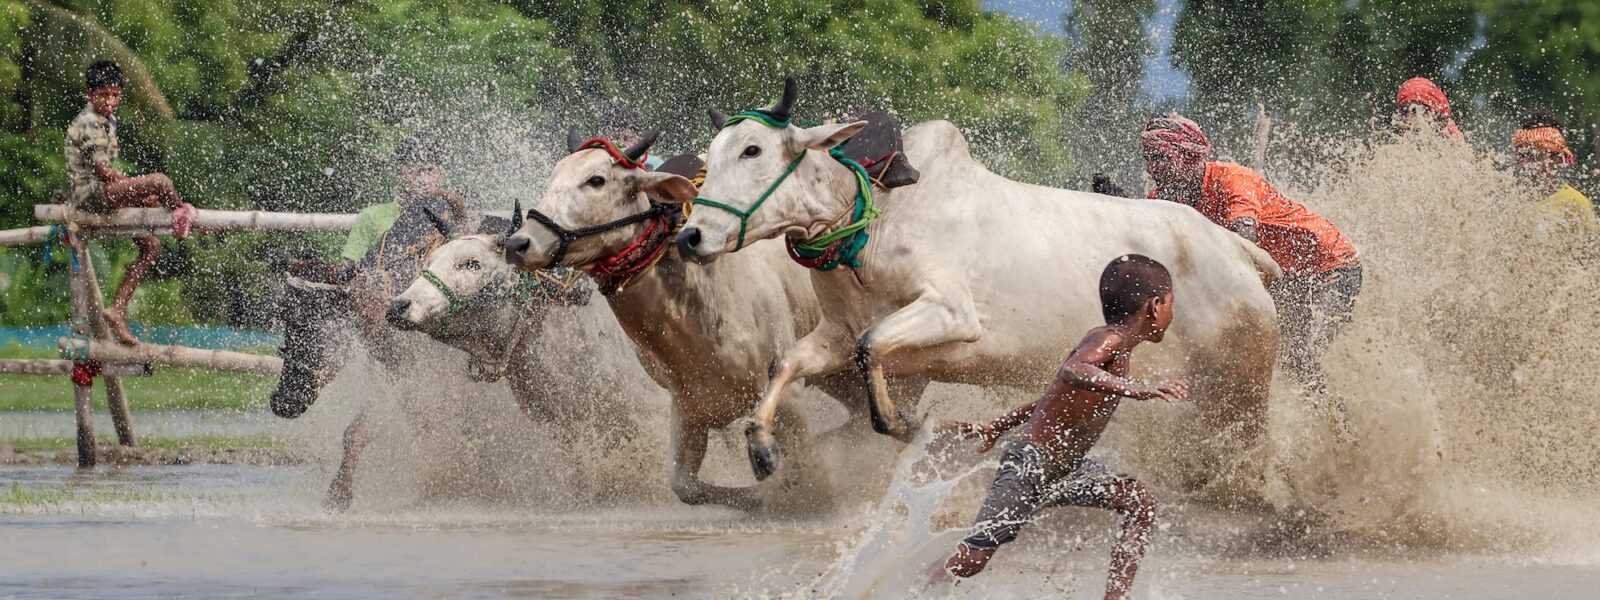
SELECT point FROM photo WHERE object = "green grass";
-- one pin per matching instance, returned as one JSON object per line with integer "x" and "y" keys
{"x": 210, "y": 442}
{"x": 167, "y": 389}
{"x": 19, "y": 495}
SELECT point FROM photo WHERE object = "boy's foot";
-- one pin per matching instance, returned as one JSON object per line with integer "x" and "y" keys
{"x": 118, "y": 323}
{"x": 182, "y": 219}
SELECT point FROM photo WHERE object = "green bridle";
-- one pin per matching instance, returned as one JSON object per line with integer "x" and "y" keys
{"x": 827, "y": 251}
{"x": 744, "y": 215}
{"x": 525, "y": 285}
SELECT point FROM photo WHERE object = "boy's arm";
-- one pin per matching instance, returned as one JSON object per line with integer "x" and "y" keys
{"x": 1082, "y": 370}
{"x": 991, "y": 431}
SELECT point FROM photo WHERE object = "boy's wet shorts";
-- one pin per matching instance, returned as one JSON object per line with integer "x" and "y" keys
{"x": 1028, "y": 480}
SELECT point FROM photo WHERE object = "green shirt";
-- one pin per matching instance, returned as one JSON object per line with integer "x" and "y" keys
{"x": 371, "y": 224}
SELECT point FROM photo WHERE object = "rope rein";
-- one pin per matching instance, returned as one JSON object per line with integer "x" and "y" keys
{"x": 827, "y": 251}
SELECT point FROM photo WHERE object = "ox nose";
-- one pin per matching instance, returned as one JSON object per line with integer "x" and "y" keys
{"x": 515, "y": 246}
{"x": 396, "y": 315}
{"x": 689, "y": 243}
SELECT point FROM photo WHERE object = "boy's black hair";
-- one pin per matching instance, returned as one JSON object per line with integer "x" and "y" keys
{"x": 1128, "y": 283}
{"x": 102, "y": 74}
{"x": 1537, "y": 120}
{"x": 418, "y": 150}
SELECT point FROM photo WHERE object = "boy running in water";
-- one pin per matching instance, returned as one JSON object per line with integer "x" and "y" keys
{"x": 1046, "y": 465}
{"x": 97, "y": 186}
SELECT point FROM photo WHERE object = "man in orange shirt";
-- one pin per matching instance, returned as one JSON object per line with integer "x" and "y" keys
{"x": 1322, "y": 271}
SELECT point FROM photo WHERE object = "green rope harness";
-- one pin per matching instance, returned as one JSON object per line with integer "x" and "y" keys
{"x": 744, "y": 215}
{"x": 827, "y": 251}
{"x": 526, "y": 283}
{"x": 842, "y": 247}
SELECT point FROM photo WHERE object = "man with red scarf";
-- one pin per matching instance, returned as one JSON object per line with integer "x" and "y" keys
{"x": 1322, "y": 271}
{"x": 1418, "y": 102}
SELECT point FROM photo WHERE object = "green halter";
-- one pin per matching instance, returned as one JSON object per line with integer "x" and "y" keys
{"x": 525, "y": 284}
{"x": 744, "y": 215}
{"x": 825, "y": 252}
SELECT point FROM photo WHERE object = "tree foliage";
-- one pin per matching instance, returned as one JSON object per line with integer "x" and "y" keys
{"x": 288, "y": 105}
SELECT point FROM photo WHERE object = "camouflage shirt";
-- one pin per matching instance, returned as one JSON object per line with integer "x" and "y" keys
{"x": 91, "y": 138}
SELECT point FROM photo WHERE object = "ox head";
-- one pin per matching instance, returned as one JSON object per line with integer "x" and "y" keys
{"x": 589, "y": 200}
{"x": 466, "y": 273}
{"x": 764, "y": 181}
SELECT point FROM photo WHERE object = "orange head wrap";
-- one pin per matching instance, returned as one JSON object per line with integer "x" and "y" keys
{"x": 1422, "y": 91}
{"x": 1542, "y": 138}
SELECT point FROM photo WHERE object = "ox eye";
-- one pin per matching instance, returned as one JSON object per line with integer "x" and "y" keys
{"x": 470, "y": 265}
{"x": 595, "y": 181}
{"x": 751, "y": 152}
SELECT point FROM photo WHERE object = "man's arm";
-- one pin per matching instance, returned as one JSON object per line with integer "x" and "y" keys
{"x": 1082, "y": 370}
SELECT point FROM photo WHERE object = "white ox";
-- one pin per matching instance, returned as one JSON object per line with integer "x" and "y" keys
{"x": 706, "y": 333}
{"x": 969, "y": 277}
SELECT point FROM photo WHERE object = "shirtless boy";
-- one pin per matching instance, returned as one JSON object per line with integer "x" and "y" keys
{"x": 1046, "y": 466}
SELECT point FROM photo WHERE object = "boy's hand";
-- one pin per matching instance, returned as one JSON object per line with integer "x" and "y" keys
{"x": 1169, "y": 391}
{"x": 984, "y": 432}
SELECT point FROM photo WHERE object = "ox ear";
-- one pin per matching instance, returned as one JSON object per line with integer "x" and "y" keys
{"x": 825, "y": 137}
{"x": 667, "y": 187}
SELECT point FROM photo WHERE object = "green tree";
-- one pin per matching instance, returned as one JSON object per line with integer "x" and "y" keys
{"x": 1109, "y": 48}
{"x": 1540, "y": 57}
{"x": 995, "y": 77}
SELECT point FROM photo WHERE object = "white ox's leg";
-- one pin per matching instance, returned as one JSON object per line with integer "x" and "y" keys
{"x": 825, "y": 349}
{"x": 933, "y": 319}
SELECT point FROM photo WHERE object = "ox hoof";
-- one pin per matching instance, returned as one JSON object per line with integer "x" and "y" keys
{"x": 339, "y": 499}
{"x": 763, "y": 451}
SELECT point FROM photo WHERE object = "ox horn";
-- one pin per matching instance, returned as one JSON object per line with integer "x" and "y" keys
{"x": 516, "y": 217}
{"x": 786, "y": 104}
{"x": 638, "y": 149}
{"x": 717, "y": 118}
{"x": 573, "y": 141}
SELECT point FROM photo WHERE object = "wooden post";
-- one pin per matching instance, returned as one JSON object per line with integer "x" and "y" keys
{"x": 112, "y": 353}
{"x": 116, "y": 395}
{"x": 1258, "y": 150}
{"x": 82, "y": 395}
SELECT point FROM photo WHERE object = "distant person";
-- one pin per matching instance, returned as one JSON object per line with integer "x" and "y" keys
{"x": 1046, "y": 465}
{"x": 1322, "y": 271}
{"x": 97, "y": 186}
{"x": 1420, "y": 103}
{"x": 1543, "y": 163}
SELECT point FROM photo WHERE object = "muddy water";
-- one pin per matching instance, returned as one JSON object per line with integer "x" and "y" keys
{"x": 237, "y": 532}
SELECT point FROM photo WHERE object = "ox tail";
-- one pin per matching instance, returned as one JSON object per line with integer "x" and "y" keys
{"x": 1266, "y": 268}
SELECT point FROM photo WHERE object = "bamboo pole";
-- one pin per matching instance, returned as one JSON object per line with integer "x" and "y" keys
{"x": 82, "y": 395}
{"x": 25, "y": 235}
{"x": 112, "y": 353}
{"x": 116, "y": 395}
{"x": 149, "y": 219}
{"x": 58, "y": 367}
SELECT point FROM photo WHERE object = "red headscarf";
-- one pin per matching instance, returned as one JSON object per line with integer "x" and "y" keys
{"x": 1421, "y": 90}
{"x": 1175, "y": 137}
